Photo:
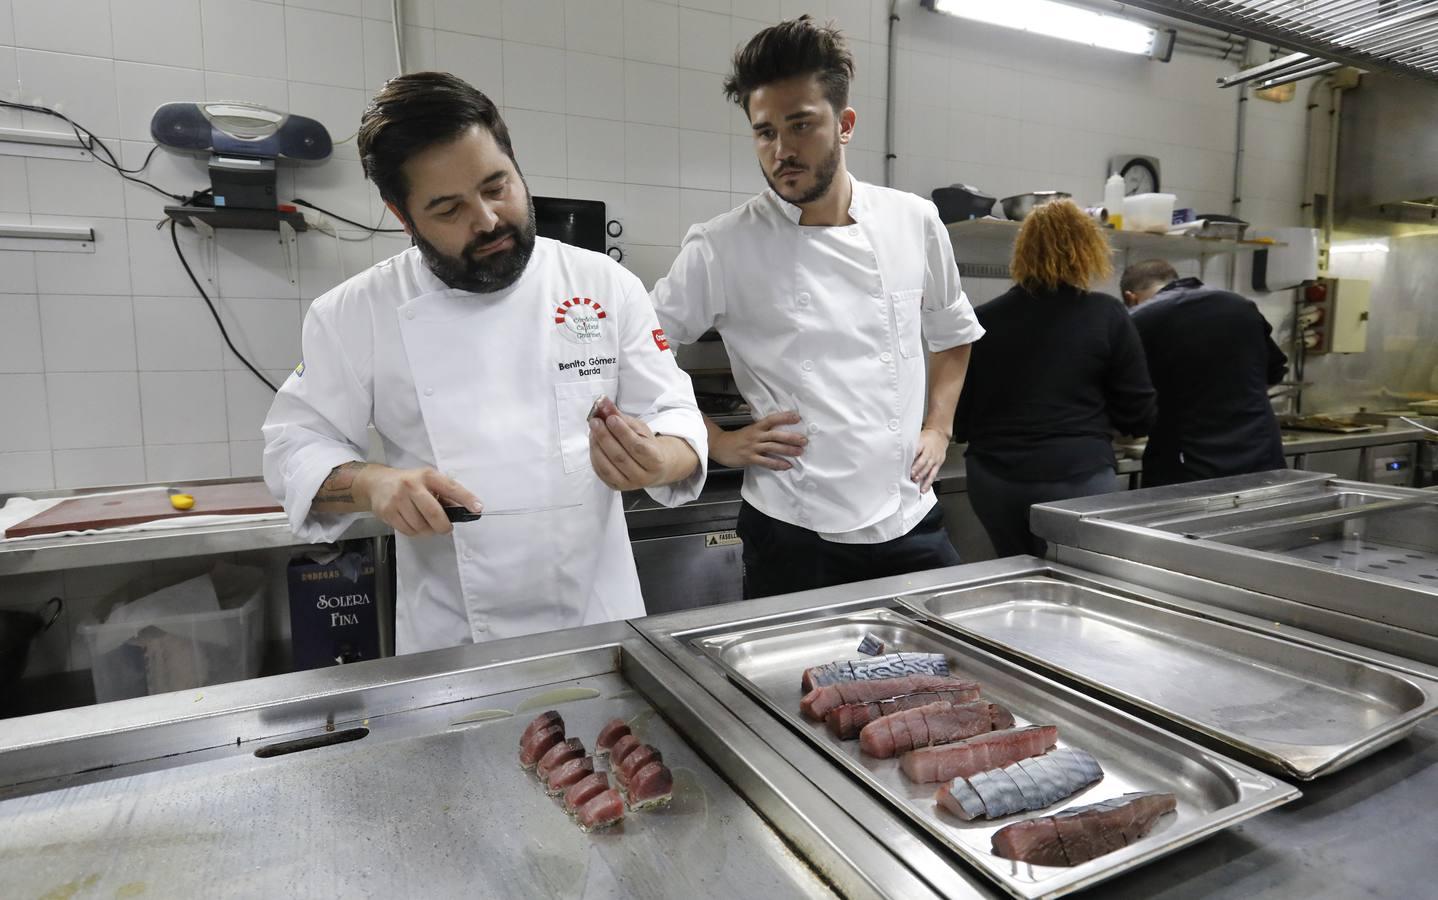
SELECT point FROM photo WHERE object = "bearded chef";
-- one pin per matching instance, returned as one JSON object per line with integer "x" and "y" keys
{"x": 494, "y": 365}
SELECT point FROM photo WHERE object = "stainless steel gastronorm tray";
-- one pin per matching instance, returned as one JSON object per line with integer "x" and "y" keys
{"x": 1213, "y": 792}
{"x": 1296, "y": 709}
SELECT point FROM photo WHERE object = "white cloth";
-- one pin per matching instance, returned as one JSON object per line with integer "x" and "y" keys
{"x": 494, "y": 390}
{"x": 827, "y": 321}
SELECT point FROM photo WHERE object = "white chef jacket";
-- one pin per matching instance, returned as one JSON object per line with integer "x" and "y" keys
{"x": 827, "y": 321}
{"x": 494, "y": 390}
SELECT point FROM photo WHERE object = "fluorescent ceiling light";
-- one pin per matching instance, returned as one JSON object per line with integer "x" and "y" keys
{"x": 1059, "y": 20}
{"x": 1360, "y": 247}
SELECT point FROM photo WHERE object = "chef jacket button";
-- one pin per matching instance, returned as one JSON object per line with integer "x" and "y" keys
{"x": 804, "y": 299}
{"x": 808, "y": 365}
{"x": 811, "y": 484}
{"x": 886, "y": 356}
{"x": 813, "y": 428}
{"x": 428, "y": 392}
{"x": 894, "y": 488}
{"x": 409, "y": 314}
{"x": 466, "y": 555}
{"x": 853, "y": 231}
{"x": 893, "y": 424}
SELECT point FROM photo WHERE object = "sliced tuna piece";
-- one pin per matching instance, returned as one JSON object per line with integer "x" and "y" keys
{"x": 612, "y": 731}
{"x": 817, "y": 703}
{"x": 583, "y": 789}
{"x": 1083, "y": 833}
{"x": 934, "y": 723}
{"x": 622, "y": 748}
{"x": 967, "y": 757}
{"x": 539, "y": 744}
{"x": 546, "y": 719}
{"x": 845, "y": 721}
{"x": 559, "y": 753}
{"x": 568, "y": 773}
{"x": 651, "y": 785}
{"x": 637, "y": 759}
{"x": 601, "y": 810}
{"x": 1041, "y": 781}
{"x": 890, "y": 665}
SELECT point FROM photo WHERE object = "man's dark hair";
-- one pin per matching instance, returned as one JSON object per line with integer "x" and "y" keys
{"x": 1143, "y": 275}
{"x": 789, "y": 49}
{"x": 416, "y": 111}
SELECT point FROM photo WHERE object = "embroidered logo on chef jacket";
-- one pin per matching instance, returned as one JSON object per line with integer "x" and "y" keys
{"x": 579, "y": 320}
{"x": 300, "y": 369}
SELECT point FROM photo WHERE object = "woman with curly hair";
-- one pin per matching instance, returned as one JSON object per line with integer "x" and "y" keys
{"x": 1059, "y": 371}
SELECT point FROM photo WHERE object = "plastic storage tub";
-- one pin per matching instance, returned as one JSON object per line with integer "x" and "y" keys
{"x": 1148, "y": 212}
{"x": 182, "y": 651}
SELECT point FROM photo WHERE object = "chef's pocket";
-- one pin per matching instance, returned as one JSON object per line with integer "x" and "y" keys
{"x": 906, "y": 320}
{"x": 572, "y": 401}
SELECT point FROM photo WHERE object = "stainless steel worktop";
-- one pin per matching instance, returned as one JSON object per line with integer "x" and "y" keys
{"x": 164, "y": 793}
{"x": 717, "y": 505}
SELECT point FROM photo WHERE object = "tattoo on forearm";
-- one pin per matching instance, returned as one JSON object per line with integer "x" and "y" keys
{"x": 339, "y": 486}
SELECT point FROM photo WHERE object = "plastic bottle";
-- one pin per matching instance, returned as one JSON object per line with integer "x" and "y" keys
{"x": 1113, "y": 200}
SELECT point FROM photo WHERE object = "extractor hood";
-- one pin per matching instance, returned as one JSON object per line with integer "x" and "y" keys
{"x": 1388, "y": 152}
{"x": 1398, "y": 36}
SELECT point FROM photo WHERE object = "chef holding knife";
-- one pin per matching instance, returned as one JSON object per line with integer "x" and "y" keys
{"x": 486, "y": 359}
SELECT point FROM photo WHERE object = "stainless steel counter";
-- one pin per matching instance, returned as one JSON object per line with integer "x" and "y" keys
{"x": 168, "y": 796}
{"x": 164, "y": 795}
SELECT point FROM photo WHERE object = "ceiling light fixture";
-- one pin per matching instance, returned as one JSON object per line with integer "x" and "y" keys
{"x": 1061, "y": 20}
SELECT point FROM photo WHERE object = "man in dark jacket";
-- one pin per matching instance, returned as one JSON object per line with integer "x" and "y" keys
{"x": 1212, "y": 358}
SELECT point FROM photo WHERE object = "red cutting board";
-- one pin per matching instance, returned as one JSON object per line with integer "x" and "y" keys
{"x": 85, "y": 513}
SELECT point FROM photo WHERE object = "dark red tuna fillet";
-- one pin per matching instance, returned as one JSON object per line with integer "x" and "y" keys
{"x": 585, "y": 788}
{"x": 559, "y": 753}
{"x": 612, "y": 731}
{"x": 544, "y": 720}
{"x": 1083, "y": 833}
{"x": 936, "y": 723}
{"x": 564, "y": 775}
{"x": 651, "y": 785}
{"x": 968, "y": 757}
{"x": 845, "y": 721}
{"x": 636, "y": 760}
{"x": 622, "y": 748}
{"x": 817, "y": 703}
{"x": 539, "y": 744}
{"x": 601, "y": 810}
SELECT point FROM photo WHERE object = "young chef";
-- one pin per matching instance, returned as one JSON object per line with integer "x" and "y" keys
{"x": 826, "y": 291}
{"x": 1212, "y": 357}
{"x": 479, "y": 354}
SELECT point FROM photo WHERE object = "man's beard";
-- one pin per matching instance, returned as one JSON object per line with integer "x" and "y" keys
{"x": 482, "y": 274}
{"x": 823, "y": 178}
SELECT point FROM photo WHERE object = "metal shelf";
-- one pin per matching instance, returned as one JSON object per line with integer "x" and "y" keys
{"x": 1002, "y": 230}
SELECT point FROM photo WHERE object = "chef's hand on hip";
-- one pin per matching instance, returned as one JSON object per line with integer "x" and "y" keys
{"x": 760, "y": 444}
{"x": 412, "y": 501}
{"x": 932, "y": 451}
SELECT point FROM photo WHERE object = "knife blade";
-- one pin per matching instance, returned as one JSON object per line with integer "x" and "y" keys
{"x": 460, "y": 514}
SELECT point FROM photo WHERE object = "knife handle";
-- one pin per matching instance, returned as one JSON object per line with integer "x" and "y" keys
{"x": 460, "y": 514}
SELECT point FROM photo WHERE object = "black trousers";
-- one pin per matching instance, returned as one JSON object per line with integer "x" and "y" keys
{"x": 1002, "y": 505}
{"x": 780, "y": 558}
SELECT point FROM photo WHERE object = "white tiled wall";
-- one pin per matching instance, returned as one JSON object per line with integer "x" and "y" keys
{"x": 111, "y": 369}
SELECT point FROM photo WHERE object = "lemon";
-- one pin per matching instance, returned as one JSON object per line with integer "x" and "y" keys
{"x": 182, "y": 501}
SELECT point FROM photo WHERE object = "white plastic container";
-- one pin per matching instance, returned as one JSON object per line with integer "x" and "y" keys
{"x": 180, "y": 651}
{"x": 1149, "y": 212}
{"x": 1113, "y": 200}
